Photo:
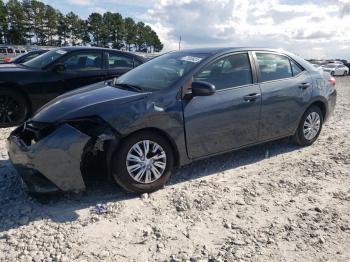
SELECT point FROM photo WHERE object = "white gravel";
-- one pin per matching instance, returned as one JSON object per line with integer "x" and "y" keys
{"x": 274, "y": 202}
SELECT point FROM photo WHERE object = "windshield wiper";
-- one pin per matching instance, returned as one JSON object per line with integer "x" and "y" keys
{"x": 129, "y": 86}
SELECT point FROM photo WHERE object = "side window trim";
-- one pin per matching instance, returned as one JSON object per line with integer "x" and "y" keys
{"x": 275, "y": 53}
{"x": 302, "y": 69}
{"x": 235, "y": 87}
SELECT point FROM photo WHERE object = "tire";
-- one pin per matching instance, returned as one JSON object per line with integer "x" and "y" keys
{"x": 345, "y": 73}
{"x": 300, "y": 137}
{"x": 14, "y": 108}
{"x": 332, "y": 73}
{"x": 130, "y": 181}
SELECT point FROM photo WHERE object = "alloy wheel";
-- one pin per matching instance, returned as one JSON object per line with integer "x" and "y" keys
{"x": 146, "y": 161}
{"x": 10, "y": 110}
{"x": 312, "y": 126}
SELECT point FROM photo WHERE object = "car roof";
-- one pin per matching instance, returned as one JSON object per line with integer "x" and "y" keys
{"x": 84, "y": 48}
{"x": 217, "y": 50}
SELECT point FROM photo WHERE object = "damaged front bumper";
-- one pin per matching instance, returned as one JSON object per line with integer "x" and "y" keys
{"x": 51, "y": 163}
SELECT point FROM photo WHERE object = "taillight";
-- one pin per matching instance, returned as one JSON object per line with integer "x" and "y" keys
{"x": 7, "y": 59}
{"x": 332, "y": 81}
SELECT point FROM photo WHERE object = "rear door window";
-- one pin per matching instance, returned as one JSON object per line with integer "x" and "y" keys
{"x": 137, "y": 63}
{"x": 273, "y": 66}
{"x": 119, "y": 61}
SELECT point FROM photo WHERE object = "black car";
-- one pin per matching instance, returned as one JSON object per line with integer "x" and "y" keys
{"x": 168, "y": 112}
{"x": 26, "y": 87}
{"x": 24, "y": 57}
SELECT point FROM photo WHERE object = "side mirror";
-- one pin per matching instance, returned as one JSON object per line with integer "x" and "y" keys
{"x": 59, "y": 68}
{"x": 201, "y": 88}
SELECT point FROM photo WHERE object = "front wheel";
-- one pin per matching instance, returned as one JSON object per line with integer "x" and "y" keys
{"x": 345, "y": 73}
{"x": 309, "y": 127}
{"x": 13, "y": 108}
{"x": 143, "y": 163}
{"x": 332, "y": 73}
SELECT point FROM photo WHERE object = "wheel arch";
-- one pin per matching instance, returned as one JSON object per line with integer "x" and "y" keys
{"x": 316, "y": 102}
{"x": 321, "y": 105}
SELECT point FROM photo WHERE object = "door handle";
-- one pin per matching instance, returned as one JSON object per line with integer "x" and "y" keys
{"x": 304, "y": 85}
{"x": 252, "y": 97}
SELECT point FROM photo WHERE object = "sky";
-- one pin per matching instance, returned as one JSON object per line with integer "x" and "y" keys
{"x": 309, "y": 28}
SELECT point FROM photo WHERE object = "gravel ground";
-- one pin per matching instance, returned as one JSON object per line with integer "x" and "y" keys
{"x": 274, "y": 202}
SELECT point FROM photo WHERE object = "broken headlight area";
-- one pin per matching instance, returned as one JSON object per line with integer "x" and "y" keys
{"x": 32, "y": 132}
{"x": 91, "y": 126}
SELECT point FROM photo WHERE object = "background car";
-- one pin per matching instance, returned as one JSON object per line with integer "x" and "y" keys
{"x": 26, "y": 87}
{"x": 6, "y": 53}
{"x": 170, "y": 111}
{"x": 24, "y": 57}
{"x": 317, "y": 66}
{"x": 336, "y": 69}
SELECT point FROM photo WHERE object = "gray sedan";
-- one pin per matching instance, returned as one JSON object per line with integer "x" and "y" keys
{"x": 174, "y": 109}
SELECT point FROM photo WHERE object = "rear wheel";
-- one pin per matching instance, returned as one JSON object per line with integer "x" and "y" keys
{"x": 13, "y": 108}
{"x": 345, "y": 73}
{"x": 332, "y": 73}
{"x": 143, "y": 162}
{"x": 309, "y": 127}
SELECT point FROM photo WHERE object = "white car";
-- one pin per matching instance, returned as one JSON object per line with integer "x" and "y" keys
{"x": 318, "y": 67}
{"x": 336, "y": 69}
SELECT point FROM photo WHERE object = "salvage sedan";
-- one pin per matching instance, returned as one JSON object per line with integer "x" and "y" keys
{"x": 168, "y": 112}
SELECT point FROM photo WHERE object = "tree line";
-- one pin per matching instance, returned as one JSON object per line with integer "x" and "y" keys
{"x": 35, "y": 23}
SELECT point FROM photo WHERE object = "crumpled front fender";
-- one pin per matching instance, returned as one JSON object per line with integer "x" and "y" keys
{"x": 57, "y": 157}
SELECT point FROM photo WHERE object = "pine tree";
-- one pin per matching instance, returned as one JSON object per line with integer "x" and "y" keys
{"x": 33, "y": 22}
{"x": 3, "y": 23}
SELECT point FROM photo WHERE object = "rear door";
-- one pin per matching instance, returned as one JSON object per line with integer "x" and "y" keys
{"x": 229, "y": 118}
{"x": 286, "y": 89}
{"x": 119, "y": 63}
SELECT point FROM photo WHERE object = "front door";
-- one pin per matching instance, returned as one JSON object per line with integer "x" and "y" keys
{"x": 81, "y": 69}
{"x": 228, "y": 119}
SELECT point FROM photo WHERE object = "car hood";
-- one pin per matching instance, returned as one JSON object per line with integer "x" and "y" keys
{"x": 85, "y": 102}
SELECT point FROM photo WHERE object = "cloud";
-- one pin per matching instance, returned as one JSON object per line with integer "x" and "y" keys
{"x": 309, "y": 28}
{"x": 81, "y": 2}
{"x": 97, "y": 9}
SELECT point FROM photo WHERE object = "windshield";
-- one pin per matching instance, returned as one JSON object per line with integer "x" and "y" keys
{"x": 45, "y": 59}
{"x": 161, "y": 72}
